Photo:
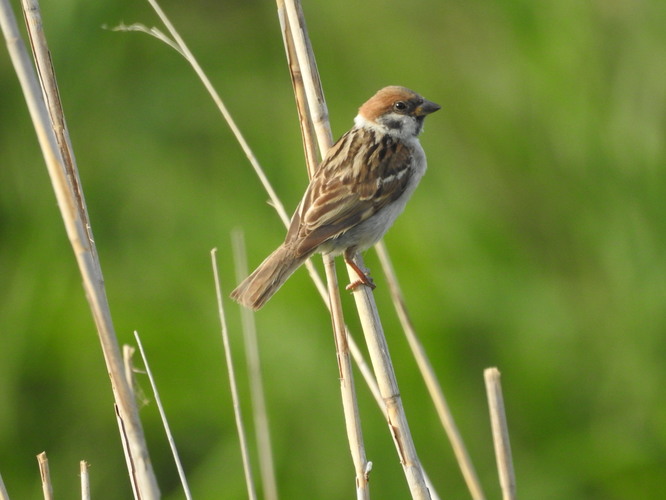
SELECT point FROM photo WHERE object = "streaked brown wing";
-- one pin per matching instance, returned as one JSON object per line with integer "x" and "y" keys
{"x": 342, "y": 195}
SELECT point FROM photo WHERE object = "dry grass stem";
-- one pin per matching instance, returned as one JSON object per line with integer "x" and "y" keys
{"x": 265, "y": 452}
{"x": 85, "y": 480}
{"x": 309, "y": 144}
{"x": 45, "y": 475}
{"x": 51, "y": 94}
{"x": 306, "y": 82}
{"x": 232, "y": 382}
{"x": 347, "y": 389}
{"x": 3, "y": 491}
{"x": 130, "y": 374}
{"x": 155, "y": 32}
{"x": 52, "y": 135}
{"x": 500, "y": 433}
{"x": 128, "y": 364}
{"x": 428, "y": 374}
{"x": 124, "y": 439}
{"x": 388, "y": 387}
{"x": 165, "y": 422}
{"x": 179, "y": 44}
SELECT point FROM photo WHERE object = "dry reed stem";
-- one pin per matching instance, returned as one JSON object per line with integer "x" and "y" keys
{"x": 124, "y": 439}
{"x": 428, "y": 374}
{"x": 388, "y": 387}
{"x": 128, "y": 365}
{"x": 306, "y": 82}
{"x": 500, "y": 433}
{"x": 182, "y": 47}
{"x": 301, "y": 70}
{"x": 259, "y": 412}
{"x": 45, "y": 475}
{"x": 54, "y": 142}
{"x": 249, "y": 481}
{"x": 85, "y": 480}
{"x": 364, "y": 300}
{"x": 347, "y": 388}
{"x": 165, "y": 423}
{"x": 3, "y": 491}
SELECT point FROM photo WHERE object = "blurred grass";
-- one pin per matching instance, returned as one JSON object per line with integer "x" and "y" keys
{"x": 536, "y": 243}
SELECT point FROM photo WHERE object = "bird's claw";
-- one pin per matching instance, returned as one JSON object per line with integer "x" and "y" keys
{"x": 366, "y": 280}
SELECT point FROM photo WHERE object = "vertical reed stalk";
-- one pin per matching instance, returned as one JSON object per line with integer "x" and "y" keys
{"x": 54, "y": 141}
{"x": 85, "y": 480}
{"x": 3, "y": 490}
{"x": 45, "y": 475}
{"x": 257, "y": 394}
{"x": 247, "y": 469}
{"x": 500, "y": 433}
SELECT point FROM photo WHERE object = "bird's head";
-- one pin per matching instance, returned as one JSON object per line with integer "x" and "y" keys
{"x": 397, "y": 111}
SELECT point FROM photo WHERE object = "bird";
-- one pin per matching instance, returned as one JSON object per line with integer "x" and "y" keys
{"x": 355, "y": 194}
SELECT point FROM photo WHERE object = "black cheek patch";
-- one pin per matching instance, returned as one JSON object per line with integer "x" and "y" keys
{"x": 393, "y": 124}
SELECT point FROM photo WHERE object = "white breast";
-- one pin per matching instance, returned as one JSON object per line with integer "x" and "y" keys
{"x": 373, "y": 229}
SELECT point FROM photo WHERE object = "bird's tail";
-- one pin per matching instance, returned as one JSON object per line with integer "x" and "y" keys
{"x": 267, "y": 279}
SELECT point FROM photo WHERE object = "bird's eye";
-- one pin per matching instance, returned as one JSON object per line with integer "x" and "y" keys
{"x": 400, "y": 106}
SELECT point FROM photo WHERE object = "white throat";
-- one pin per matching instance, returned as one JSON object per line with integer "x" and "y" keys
{"x": 409, "y": 130}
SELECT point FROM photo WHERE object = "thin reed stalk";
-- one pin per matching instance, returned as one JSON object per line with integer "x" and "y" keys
{"x": 54, "y": 141}
{"x": 259, "y": 412}
{"x": 249, "y": 481}
{"x": 45, "y": 476}
{"x": 165, "y": 422}
{"x": 85, "y": 480}
{"x": 500, "y": 433}
{"x": 3, "y": 491}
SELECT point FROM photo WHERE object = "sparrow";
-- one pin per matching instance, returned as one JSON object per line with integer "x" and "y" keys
{"x": 355, "y": 195}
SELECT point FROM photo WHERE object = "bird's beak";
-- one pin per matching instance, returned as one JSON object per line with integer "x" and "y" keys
{"x": 426, "y": 108}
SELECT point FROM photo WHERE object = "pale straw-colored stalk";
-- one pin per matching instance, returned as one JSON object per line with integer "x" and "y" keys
{"x": 45, "y": 476}
{"x": 3, "y": 490}
{"x": 85, "y": 480}
{"x": 500, "y": 433}
{"x": 240, "y": 428}
{"x": 259, "y": 412}
{"x": 165, "y": 422}
{"x": 54, "y": 141}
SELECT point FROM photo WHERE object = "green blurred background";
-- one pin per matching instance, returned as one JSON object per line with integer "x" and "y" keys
{"x": 536, "y": 243}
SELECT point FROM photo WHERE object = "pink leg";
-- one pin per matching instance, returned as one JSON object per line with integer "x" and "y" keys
{"x": 364, "y": 279}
